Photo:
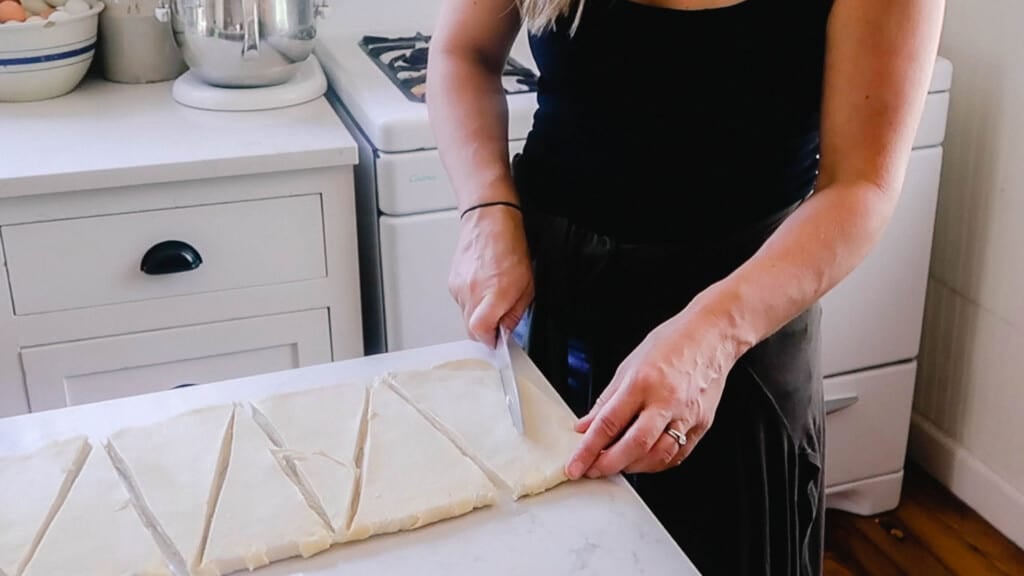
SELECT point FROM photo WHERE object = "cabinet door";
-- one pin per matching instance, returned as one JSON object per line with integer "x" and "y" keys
{"x": 89, "y": 371}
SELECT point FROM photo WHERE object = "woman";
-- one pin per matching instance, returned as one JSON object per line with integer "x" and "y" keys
{"x": 661, "y": 216}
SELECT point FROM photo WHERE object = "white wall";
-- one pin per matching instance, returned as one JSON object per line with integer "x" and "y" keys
{"x": 969, "y": 403}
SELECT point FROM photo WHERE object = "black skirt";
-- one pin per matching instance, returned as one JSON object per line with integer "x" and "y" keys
{"x": 750, "y": 498}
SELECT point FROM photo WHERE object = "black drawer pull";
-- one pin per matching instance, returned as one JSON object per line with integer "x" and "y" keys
{"x": 185, "y": 385}
{"x": 170, "y": 257}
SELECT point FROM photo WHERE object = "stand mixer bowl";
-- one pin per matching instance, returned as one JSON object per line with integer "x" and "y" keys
{"x": 244, "y": 43}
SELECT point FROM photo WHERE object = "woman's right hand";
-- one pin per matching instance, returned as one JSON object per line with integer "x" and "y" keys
{"x": 491, "y": 276}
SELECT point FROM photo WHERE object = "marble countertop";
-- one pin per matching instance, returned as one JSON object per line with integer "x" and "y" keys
{"x": 104, "y": 135}
{"x": 593, "y": 527}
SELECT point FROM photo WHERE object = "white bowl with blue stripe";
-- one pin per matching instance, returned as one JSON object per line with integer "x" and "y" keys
{"x": 41, "y": 60}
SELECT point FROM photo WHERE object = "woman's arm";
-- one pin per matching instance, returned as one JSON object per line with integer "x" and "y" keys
{"x": 490, "y": 279}
{"x": 465, "y": 97}
{"x": 879, "y": 61}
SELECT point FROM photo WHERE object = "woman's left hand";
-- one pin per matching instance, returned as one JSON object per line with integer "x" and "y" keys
{"x": 674, "y": 379}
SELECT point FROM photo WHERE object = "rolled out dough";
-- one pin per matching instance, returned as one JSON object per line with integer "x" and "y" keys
{"x": 176, "y": 466}
{"x": 261, "y": 516}
{"x": 32, "y": 488}
{"x": 412, "y": 475}
{"x": 97, "y": 531}
{"x": 318, "y": 432}
{"x": 467, "y": 402}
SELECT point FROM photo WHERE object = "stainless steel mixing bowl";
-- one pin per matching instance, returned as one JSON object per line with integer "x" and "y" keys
{"x": 244, "y": 43}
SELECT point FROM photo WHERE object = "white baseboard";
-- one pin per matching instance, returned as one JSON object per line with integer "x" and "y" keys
{"x": 964, "y": 475}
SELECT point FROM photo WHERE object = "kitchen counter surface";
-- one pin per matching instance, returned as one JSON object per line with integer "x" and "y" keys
{"x": 593, "y": 527}
{"x": 104, "y": 135}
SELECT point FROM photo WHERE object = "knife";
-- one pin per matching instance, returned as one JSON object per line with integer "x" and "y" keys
{"x": 508, "y": 379}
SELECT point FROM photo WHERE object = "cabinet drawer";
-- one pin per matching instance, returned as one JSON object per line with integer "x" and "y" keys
{"x": 94, "y": 261}
{"x": 75, "y": 373}
{"x": 416, "y": 182}
{"x": 867, "y": 422}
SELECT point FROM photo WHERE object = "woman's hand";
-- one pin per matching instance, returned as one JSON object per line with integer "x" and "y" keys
{"x": 491, "y": 276}
{"x": 674, "y": 379}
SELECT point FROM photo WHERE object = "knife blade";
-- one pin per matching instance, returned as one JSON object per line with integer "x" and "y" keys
{"x": 508, "y": 380}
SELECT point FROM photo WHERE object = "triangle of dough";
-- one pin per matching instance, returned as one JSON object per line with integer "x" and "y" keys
{"x": 319, "y": 433}
{"x": 261, "y": 516}
{"x": 469, "y": 406}
{"x": 412, "y": 475}
{"x": 32, "y": 488}
{"x": 175, "y": 467}
{"x": 97, "y": 531}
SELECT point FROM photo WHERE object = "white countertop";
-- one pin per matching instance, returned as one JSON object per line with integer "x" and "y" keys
{"x": 104, "y": 135}
{"x": 593, "y": 527}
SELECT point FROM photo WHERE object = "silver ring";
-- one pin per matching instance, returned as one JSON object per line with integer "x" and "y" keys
{"x": 676, "y": 435}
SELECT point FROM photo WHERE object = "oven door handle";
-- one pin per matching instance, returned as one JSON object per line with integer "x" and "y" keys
{"x": 834, "y": 404}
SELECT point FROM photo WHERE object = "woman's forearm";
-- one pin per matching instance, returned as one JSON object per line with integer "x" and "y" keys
{"x": 470, "y": 117}
{"x": 491, "y": 279}
{"x": 879, "y": 63}
{"x": 811, "y": 252}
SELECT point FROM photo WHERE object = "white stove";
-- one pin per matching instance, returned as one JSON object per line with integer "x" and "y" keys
{"x": 408, "y": 228}
{"x": 403, "y": 60}
{"x": 393, "y": 117}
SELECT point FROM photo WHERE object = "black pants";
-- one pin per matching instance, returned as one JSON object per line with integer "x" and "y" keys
{"x": 750, "y": 498}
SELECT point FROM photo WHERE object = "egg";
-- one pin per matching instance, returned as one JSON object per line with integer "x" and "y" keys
{"x": 35, "y": 19}
{"x": 77, "y": 7}
{"x": 56, "y": 3}
{"x": 34, "y": 6}
{"x": 11, "y": 11}
{"x": 58, "y": 15}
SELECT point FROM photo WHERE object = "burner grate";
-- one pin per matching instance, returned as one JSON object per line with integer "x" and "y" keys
{"x": 404, "y": 61}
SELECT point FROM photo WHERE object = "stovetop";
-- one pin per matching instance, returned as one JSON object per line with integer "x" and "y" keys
{"x": 404, "y": 61}
{"x": 394, "y": 119}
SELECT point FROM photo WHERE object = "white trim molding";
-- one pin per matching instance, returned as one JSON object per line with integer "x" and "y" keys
{"x": 968, "y": 478}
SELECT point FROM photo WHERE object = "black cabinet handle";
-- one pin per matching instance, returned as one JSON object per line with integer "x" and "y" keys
{"x": 170, "y": 257}
{"x": 185, "y": 385}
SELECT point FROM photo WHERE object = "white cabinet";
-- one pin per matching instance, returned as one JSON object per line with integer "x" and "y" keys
{"x": 276, "y": 286}
{"x": 92, "y": 261}
{"x": 73, "y": 373}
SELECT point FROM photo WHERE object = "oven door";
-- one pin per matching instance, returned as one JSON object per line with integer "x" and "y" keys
{"x": 416, "y": 254}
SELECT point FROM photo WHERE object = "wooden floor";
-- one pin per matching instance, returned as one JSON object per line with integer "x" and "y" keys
{"x": 932, "y": 533}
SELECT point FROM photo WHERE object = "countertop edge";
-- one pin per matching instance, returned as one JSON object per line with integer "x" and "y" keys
{"x": 139, "y": 175}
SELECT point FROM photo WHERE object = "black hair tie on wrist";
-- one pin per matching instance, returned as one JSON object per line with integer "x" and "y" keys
{"x": 486, "y": 204}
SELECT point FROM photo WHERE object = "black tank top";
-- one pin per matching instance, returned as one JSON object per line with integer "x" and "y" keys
{"x": 668, "y": 125}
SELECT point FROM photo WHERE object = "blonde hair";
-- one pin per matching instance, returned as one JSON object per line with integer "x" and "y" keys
{"x": 541, "y": 15}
